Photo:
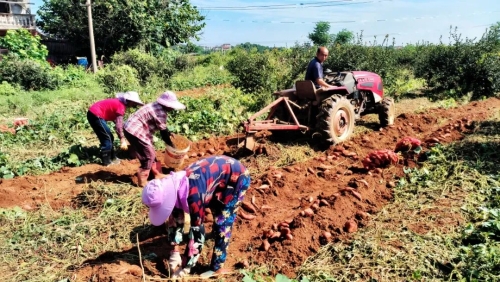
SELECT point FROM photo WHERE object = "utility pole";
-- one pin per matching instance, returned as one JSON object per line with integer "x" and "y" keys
{"x": 91, "y": 35}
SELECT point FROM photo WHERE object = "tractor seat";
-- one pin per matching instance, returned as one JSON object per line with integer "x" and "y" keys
{"x": 305, "y": 89}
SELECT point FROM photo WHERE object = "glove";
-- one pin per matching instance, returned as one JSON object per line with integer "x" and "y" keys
{"x": 174, "y": 261}
{"x": 123, "y": 145}
{"x": 181, "y": 272}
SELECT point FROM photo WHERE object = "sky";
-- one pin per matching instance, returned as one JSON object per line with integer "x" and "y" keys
{"x": 285, "y": 22}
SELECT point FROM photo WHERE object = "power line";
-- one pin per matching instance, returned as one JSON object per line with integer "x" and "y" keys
{"x": 288, "y": 41}
{"x": 275, "y": 5}
{"x": 290, "y": 6}
{"x": 423, "y": 17}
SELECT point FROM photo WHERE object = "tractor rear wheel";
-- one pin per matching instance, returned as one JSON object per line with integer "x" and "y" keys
{"x": 336, "y": 119}
{"x": 386, "y": 112}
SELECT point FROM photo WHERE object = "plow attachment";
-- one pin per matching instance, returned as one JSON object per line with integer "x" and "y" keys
{"x": 252, "y": 127}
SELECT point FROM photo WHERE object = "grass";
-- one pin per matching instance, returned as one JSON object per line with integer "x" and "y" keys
{"x": 42, "y": 245}
{"x": 438, "y": 233}
{"x": 428, "y": 239}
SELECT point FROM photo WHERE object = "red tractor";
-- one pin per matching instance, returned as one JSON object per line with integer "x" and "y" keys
{"x": 330, "y": 112}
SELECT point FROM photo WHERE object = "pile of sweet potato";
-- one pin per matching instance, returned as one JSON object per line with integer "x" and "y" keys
{"x": 407, "y": 144}
{"x": 380, "y": 158}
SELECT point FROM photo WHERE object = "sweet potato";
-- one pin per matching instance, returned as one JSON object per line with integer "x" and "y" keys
{"x": 432, "y": 140}
{"x": 380, "y": 158}
{"x": 361, "y": 215}
{"x": 327, "y": 235}
{"x": 253, "y": 200}
{"x": 351, "y": 154}
{"x": 289, "y": 236}
{"x": 263, "y": 186}
{"x": 248, "y": 207}
{"x": 324, "y": 167}
{"x": 267, "y": 234}
{"x": 246, "y": 216}
{"x": 364, "y": 182}
{"x": 407, "y": 143}
{"x": 283, "y": 224}
{"x": 289, "y": 220}
{"x": 285, "y": 231}
{"x": 315, "y": 207}
{"x": 308, "y": 212}
{"x": 357, "y": 195}
{"x": 351, "y": 226}
{"x": 265, "y": 245}
{"x": 346, "y": 189}
{"x": 324, "y": 202}
{"x": 275, "y": 234}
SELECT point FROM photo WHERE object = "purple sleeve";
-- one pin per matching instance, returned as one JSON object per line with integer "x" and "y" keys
{"x": 160, "y": 117}
{"x": 119, "y": 126}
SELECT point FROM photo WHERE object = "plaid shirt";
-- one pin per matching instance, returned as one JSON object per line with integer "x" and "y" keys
{"x": 145, "y": 121}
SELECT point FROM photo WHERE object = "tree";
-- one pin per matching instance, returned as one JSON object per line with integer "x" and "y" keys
{"x": 249, "y": 46}
{"x": 26, "y": 46}
{"x": 343, "y": 37}
{"x": 320, "y": 35}
{"x": 122, "y": 24}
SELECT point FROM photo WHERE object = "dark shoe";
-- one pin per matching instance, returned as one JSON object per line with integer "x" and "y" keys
{"x": 106, "y": 158}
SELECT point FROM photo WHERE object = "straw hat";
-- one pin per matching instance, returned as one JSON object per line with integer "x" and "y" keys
{"x": 169, "y": 99}
{"x": 130, "y": 96}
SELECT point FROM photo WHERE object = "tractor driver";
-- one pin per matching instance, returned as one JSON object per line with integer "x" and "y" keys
{"x": 315, "y": 68}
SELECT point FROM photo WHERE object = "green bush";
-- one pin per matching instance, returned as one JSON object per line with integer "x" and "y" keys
{"x": 29, "y": 74}
{"x": 145, "y": 64}
{"x": 199, "y": 76}
{"x": 118, "y": 78}
{"x": 215, "y": 58}
{"x": 26, "y": 46}
{"x": 211, "y": 114}
{"x": 6, "y": 89}
{"x": 74, "y": 76}
{"x": 463, "y": 67}
{"x": 253, "y": 71}
{"x": 184, "y": 62}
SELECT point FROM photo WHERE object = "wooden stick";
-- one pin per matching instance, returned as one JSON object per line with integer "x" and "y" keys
{"x": 140, "y": 257}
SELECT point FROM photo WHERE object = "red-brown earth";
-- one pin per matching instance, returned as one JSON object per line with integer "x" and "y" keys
{"x": 290, "y": 190}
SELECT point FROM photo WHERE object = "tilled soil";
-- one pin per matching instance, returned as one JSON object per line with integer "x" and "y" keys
{"x": 342, "y": 194}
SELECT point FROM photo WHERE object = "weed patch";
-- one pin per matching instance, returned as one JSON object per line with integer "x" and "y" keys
{"x": 445, "y": 227}
{"x": 52, "y": 242}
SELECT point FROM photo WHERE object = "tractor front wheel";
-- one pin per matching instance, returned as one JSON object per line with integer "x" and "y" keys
{"x": 387, "y": 112}
{"x": 336, "y": 119}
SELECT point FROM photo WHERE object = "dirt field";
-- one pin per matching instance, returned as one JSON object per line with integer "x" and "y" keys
{"x": 289, "y": 191}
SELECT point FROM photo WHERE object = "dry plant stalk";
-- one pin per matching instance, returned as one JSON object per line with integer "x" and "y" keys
{"x": 140, "y": 257}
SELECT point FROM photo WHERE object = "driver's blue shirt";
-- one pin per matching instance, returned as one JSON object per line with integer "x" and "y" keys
{"x": 314, "y": 71}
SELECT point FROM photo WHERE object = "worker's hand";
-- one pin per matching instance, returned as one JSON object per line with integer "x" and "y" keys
{"x": 174, "y": 261}
{"x": 123, "y": 144}
{"x": 181, "y": 272}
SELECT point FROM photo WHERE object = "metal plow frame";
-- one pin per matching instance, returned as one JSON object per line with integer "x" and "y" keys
{"x": 251, "y": 126}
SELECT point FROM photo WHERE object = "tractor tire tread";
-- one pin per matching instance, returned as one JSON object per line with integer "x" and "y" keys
{"x": 386, "y": 112}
